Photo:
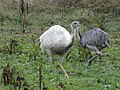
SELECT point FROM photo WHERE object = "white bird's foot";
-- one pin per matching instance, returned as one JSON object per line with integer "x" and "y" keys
{"x": 66, "y": 76}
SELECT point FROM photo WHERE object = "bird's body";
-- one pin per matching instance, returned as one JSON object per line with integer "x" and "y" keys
{"x": 94, "y": 40}
{"x": 55, "y": 39}
{"x": 95, "y": 37}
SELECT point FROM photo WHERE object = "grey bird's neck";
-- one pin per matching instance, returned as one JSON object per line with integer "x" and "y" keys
{"x": 77, "y": 34}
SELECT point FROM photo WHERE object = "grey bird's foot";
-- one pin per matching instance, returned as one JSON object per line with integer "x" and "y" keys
{"x": 91, "y": 59}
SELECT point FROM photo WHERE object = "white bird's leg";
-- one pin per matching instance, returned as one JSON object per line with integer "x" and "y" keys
{"x": 60, "y": 63}
{"x": 52, "y": 61}
{"x": 93, "y": 48}
{"x": 51, "y": 58}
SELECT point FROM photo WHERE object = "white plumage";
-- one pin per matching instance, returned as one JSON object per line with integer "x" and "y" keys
{"x": 55, "y": 37}
{"x": 56, "y": 40}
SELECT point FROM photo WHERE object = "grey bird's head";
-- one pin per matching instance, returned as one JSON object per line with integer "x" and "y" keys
{"x": 75, "y": 24}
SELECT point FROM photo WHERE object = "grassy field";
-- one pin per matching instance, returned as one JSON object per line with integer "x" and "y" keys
{"x": 27, "y": 57}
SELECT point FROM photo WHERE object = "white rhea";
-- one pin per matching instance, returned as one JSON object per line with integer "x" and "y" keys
{"x": 56, "y": 40}
{"x": 94, "y": 40}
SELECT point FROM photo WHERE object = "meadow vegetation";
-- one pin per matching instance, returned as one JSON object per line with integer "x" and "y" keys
{"x": 22, "y": 60}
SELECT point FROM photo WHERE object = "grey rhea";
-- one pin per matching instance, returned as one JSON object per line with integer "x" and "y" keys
{"x": 56, "y": 40}
{"x": 94, "y": 40}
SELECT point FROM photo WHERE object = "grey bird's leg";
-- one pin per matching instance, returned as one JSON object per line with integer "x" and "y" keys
{"x": 93, "y": 48}
{"x": 100, "y": 57}
{"x": 60, "y": 64}
{"x": 91, "y": 59}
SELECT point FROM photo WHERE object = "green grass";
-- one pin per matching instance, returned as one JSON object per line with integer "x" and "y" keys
{"x": 82, "y": 77}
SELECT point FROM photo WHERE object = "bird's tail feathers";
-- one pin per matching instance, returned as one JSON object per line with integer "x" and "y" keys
{"x": 70, "y": 43}
{"x": 37, "y": 39}
{"x": 108, "y": 43}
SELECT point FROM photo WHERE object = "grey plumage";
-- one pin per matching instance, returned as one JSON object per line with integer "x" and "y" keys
{"x": 96, "y": 37}
{"x": 95, "y": 40}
